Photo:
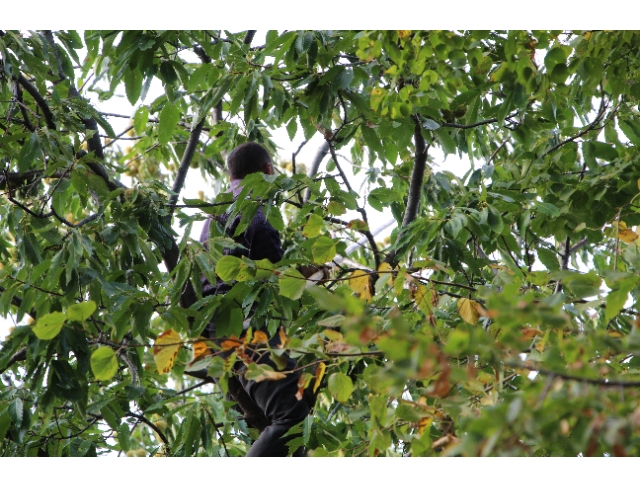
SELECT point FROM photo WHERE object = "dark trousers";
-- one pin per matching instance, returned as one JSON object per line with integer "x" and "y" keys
{"x": 277, "y": 399}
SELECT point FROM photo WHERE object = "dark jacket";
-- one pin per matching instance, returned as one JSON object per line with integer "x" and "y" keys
{"x": 260, "y": 238}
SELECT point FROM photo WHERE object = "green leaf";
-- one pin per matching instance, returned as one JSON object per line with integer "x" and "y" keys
{"x": 429, "y": 124}
{"x": 340, "y": 387}
{"x": 547, "y": 209}
{"x": 80, "y": 312}
{"x": 292, "y": 284}
{"x": 618, "y": 296}
{"x": 549, "y": 259}
{"x": 28, "y": 153}
{"x": 104, "y": 363}
{"x": 48, "y": 326}
{"x": 16, "y": 411}
{"x": 555, "y": 56}
{"x": 323, "y": 250}
{"x": 494, "y": 219}
{"x": 133, "y": 84}
{"x": 583, "y": 285}
{"x": 140, "y": 119}
{"x": 169, "y": 118}
{"x": 227, "y": 267}
{"x": 313, "y": 226}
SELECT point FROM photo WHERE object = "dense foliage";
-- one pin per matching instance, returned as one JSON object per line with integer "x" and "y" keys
{"x": 500, "y": 319}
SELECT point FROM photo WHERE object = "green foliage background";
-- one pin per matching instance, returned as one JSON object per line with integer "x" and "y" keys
{"x": 527, "y": 263}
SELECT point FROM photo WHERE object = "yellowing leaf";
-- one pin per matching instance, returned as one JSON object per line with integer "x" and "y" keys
{"x": 260, "y": 372}
{"x": 165, "y": 350}
{"x": 468, "y": 310}
{"x": 319, "y": 375}
{"x": 360, "y": 283}
{"x": 627, "y": 236}
{"x": 231, "y": 343}
{"x": 200, "y": 349}
{"x": 404, "y": 34}
{"x": 422, "y": 297}
{"x": 260, "y": 337}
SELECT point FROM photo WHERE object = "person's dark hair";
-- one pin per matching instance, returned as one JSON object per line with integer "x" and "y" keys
{"x": 247, "y": 158}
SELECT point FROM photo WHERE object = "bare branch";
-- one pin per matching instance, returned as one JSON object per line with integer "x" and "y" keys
{"x": 248, "y": 38}
{"x": 415, "y": 187}
{"x": 42, "y": 103}
{"x": 152, "y": 426}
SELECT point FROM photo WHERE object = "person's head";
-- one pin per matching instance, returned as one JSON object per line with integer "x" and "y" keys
{"x": 248, "y": 158}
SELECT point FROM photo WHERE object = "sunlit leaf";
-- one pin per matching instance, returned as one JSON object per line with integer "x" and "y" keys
{"x": 165, "y": 350}
{"x": 468, "y": 310}
{"x": 49, "y": 326}
{"x": 104, "y": 363}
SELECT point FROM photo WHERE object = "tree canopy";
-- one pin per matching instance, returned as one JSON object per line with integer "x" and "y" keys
{"x": 500, "y": 318}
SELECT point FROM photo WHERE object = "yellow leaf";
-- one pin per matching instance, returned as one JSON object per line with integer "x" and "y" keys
{"x": 627, "y": 236}
{"x": 165, "y": 350}
{"x": 200, "y": 349}
{"x": 260, "y": 337}
{"x": 360, "y": 283}
{"x": 468, "y": 310}
{"x": 283, "y": 338}
{"x": 231, "y": 343}
{"x": 423, "y": 424}
{"x": 404, "y": 34}
{"x": 319, "y": 375}
{"x": 423, "y": 297}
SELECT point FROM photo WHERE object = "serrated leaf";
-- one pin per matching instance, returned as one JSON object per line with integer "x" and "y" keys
{"x": 549, "y": 259}
{"x": 423, "y": 297}
{"x": 548, "y": 209}
{"x": 16, "y": 412}
{"x": 48, "y": 326}
{"x": 261, "y": 372}
{"x": 429, "y": 124}
{"x": 313, "y": 226}
{"x": 291, "y": 284}
{"x": 468, "y": 310}
{"x": 81, "y": 311}
{"x": 331, "y": 321}
{"x": 227, "y": 267}
{"x": 319, "y": 375}
{"x": 323, "y": 250}
{"x": 336, "y": 208}
{"x": 169, "y": 118}
{"x": 340, "y": 387}
{"x": 104, "y": 363}
{"x": 165, "y": 350}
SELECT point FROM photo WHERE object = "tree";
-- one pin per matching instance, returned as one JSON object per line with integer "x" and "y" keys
{"x": 500, "y": 319}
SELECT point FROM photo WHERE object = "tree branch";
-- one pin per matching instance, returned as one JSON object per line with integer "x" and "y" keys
{"x": 415, "y": 188}
{"x": 562, "y": 375}
{"x": 323, "y": 150}
{"x": 140, "y": 417}
{"x": 248, "y": 38}
{"x": 41, "y": 102}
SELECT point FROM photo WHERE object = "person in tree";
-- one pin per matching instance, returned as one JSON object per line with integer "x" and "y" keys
{"x": 278, "y": 399}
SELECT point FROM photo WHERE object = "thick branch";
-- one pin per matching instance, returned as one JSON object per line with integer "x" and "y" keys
{"x": 25, "y": 114}
{"x": 19, "y": 356}
{"x": 248, "y": 38}
{"x": 140, "y": 417}
{"x": 42, "y": 103}
{"x": 415, "y": 188}
{"x": 185, "y": 164}
{"x": 323, "y": 150}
